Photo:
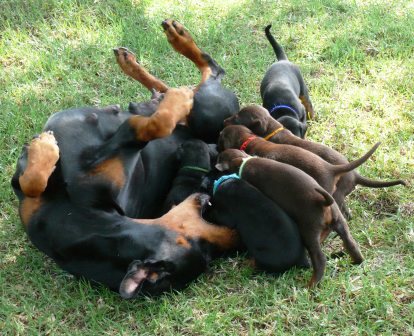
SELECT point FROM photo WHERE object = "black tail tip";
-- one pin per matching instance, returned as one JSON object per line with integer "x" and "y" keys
{"x": 267, "y": 28}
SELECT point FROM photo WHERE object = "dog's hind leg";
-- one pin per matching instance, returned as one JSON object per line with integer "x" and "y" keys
{"x": 317, "y": 257}
{"x": 304, "y": 98}
{"x": 129, "y": 65}
{"x": 340, "y": 226}
{"x": 181, "y": 40}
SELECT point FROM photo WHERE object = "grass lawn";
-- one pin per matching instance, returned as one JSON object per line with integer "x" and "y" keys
{"x": 357, "y": 59}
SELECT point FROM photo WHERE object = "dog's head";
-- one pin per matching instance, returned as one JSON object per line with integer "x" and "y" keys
{"x": 194, "y": 152}
{"x": 230, "y": 159}
{"x": 254, "y": 117}
{"x": 233, "y": 136}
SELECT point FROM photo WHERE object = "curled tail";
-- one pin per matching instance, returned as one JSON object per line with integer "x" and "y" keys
{"x": 328, "y": 199}
{"x": 344, "y": 168}
{"x": 366, "y": 182}
{"x": 280, "y": 53}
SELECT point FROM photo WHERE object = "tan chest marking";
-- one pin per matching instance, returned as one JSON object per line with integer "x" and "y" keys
{"x": 112, "y": 170}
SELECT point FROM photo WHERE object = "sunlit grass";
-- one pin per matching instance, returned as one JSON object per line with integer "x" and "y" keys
{"x": 356, "y": 57}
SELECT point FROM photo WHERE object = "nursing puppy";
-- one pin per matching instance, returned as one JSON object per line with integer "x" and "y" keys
{"x": 270, "y": 236}
{"x": 284, "y": 92}
{"x": 194, "y": 158}
{"x": 326, "y": 174}
{"x": 261, "y": 123}
{"x": 301, "y": 197}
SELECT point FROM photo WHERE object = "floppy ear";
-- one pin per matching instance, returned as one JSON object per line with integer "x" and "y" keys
{"x": 257, "y": 125}
{"x": 222, "y": 166}
{"x": 132, "y": 282}
{"x": 139, "y": 272}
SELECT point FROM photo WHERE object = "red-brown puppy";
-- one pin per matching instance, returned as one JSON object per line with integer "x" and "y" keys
{"x": 261, "y": 123}
{"x": 326, "y": 174}
{"x": 301, "y": 197}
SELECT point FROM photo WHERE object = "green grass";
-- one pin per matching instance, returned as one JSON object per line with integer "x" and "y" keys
{"x": 357, "y": 59}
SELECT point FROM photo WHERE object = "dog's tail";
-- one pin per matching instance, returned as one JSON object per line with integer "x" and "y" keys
{"x": 280, "y": 53}
{"x": 327, "y": 198}
{"x": 344, "y": 168}
{"x": 366, "y": 182}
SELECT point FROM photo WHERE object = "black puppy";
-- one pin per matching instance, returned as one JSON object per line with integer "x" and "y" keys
{"x": 194, "y": 158}
{"x": 284, "y": 92}
{"x": 269, "y": 234}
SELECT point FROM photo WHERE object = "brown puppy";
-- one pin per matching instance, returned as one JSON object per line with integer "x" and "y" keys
{"x": 326, "y": 174}
{"x": 303, "y": 199}
{"x": 261, "y": 123}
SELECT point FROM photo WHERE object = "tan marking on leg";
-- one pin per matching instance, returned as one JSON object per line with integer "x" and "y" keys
{"x": 181, "y": 40}
{"x": 175, "y": 106}
{"x": 129, "y": 65}
{"x": 43, "y": 153}
{"x": 112, "y": 170}
{"x": 183, "y": 242}
{"x": 308, "y": 107}
{"x": 185, "y": 219}
{"x": 28, "y": 207}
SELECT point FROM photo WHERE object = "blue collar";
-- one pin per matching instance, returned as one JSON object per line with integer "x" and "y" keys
{"x": 218, "y": 182}
{"x": 278, "y": 107}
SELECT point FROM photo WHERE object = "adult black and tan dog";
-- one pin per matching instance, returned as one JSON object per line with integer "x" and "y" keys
{"x": 85, "y": 179}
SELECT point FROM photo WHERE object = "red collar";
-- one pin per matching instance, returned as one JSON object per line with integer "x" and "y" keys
{"x": 246, "y": 143}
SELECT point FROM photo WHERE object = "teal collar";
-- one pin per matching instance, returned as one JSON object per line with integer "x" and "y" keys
{"x": 243, "y": 164}
{"x": 218, "y": 182}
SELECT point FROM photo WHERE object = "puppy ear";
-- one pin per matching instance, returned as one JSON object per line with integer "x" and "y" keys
{"x": 132, "y": 282}
{"x": 139, "y": 272}
{"x": 222, "y": 166}
{"x": 257, "y": 125}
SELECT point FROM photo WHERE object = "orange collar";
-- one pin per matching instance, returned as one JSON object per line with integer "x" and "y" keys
{"x": 277, "y": 130}
{"x": 246, "y": 143}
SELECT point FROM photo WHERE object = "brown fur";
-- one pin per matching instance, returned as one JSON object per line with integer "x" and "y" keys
{"x": 112, "y": 170}
{"x": 183, "y": 43}
{"x": 175, "y": 106}
{"x": 186, "y": 220}
{"x": 324, "y": 173}
{"x": 43, "y": 153}
{"x": 28, "y": 207}
{"x": 129, "y": 65}
{"x": 312, "y": 208}
{"x": 260, "y": 122}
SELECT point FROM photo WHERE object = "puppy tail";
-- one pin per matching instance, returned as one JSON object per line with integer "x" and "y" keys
{"x": 344, "y": 168}
{"x": 366, "y": 182}
{"x": 280, "y": 53}
{"x": 328, "y": 199}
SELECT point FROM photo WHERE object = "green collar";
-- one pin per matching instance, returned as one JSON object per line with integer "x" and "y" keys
{"x": 195, "y": 168}
{"x": 243, "y": 164}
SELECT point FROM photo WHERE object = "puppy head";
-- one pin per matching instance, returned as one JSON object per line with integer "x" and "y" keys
{"x": 254, "y": 117}
{"x": 194, "y": 152}
{"x": 233, "y": 136}
{"x": 230, "y": 160}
